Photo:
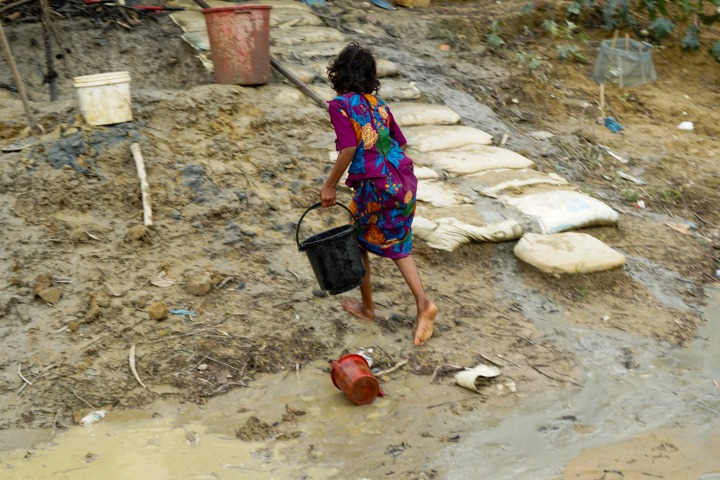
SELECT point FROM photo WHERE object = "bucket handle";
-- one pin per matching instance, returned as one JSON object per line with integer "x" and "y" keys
{"x": 314, "y": 207}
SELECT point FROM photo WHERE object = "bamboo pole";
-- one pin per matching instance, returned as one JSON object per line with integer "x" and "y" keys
{"x": 144, "y": 186}
{"x": 18, "y": 81}
{"x": 299, "y": 83}
{"x": 51, "y": 76}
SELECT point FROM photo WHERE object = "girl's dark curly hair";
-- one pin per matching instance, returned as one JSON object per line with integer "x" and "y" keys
{"x": 354, "y": 70}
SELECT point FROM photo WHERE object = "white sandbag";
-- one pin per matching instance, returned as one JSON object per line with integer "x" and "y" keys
{"x": 570, "y": 252}
{"x": 391, "y": 89}
{"x": 410, "y": 114}
{"x": 430, "y": 138}
{"x": 425, "y": 173}
{"x": 288, "y": 95}
{"x": 385, "y": 68}
{"x": 197, "y": 40}
{"x": 293, "y": 17}
{"x": 449, "y": 233}
{"x": 304, "y": 74}
{"x": 305, "y": 34}
{"x": 309, "y": 50}
{"x": 557, "y": 211}
{"x": 422, "y": 173}
{"x": 190, "y": 21}
{"x": 479, "y": 159}
{"x": 325, "y": 92}
{"x": 438, "y": 194}
{"x": 492, "y": 181}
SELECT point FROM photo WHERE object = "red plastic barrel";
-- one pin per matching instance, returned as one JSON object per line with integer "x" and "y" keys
{"x": 240, "y": 43}
{"x": 352, "y": 375}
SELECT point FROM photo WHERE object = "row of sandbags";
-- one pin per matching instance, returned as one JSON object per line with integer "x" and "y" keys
{"x": 458, "y": 168}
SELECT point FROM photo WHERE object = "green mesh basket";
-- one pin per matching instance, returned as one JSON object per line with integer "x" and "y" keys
{"x": 624, "y": 62}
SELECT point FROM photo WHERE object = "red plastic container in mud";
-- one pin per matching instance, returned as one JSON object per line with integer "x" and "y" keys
{"x": 240, "y": 43}
{"x": 352, "y": 375}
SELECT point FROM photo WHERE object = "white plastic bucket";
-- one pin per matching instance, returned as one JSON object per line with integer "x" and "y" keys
{"x": 104, "y": 98}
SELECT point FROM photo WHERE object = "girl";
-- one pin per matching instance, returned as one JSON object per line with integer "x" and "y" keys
{"x": 372, "y": 145}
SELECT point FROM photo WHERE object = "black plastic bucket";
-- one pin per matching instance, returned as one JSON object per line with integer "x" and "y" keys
{"x": 334, "y": 255}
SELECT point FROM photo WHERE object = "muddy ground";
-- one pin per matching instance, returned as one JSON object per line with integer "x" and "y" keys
{"x": 231, "y": 170}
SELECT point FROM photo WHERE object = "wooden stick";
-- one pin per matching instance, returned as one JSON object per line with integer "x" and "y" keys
{"x": 140, "y": 165}
{"x": 18, "y": 81}
{"x": 392, "y": 369}
{"x": 627, "y": 42}
{"x": 557, "y": 379}
{"x": 52, "y": 75}
{"x": 132, "y": 366}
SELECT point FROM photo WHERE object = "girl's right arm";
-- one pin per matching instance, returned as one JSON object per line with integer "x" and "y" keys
{"x": 328, "y": 192}
{"x": 346, "y": 144}
{"x": 395, "y": 131}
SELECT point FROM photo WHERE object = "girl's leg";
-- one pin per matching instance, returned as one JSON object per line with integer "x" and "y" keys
{"x": 426, "y": 310}
{"x": 366, "y": 308}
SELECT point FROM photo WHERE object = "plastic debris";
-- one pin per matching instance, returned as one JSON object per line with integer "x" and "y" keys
{"x": 613, "y": 125}
{"x": 365, "y": 353}
{"x": 614, "y": 155}
{"x": 179, "y": 311}
{"x": 686, "y": 126}
{"x": 683, "y": 228}
{"x": 93, "y": 417}
{"x": 630, "y": 178}
{"x": 474, "y": 378}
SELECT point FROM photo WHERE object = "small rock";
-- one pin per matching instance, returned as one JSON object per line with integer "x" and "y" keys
{"x": 202, "y": 367}
{"x": 42, "y": 282}
{"x": 198, "y": 283}
{"x": 100, "y": 299}
{"x": 157, "y": 311}
{"x": 319, "y": 293}
{"x": 541, "y": 135}
{"x": 192, "y": 438}
{"x": 92, "y": 314}
{"x": 136, "y": 233}
{"x": 70, "y": 131}
{"x": 73, "y": 326}
{"x": 51, "y": 295}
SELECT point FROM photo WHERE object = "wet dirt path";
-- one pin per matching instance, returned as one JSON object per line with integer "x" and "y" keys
{"x": 307, "y": 429}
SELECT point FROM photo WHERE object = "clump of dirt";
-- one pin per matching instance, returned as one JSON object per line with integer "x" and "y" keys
{"x": 255, "y": 430}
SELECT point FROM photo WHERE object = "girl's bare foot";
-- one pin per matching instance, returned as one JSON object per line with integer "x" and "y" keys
{"x": 358, "y": 309}
{"x": 425, "y": 323}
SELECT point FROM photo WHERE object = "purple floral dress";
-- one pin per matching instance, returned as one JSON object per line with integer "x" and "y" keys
{"x": 380, "y": 173}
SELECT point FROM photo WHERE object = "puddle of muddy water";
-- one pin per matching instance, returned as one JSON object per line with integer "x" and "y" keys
{"x": 413, "y": 429}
